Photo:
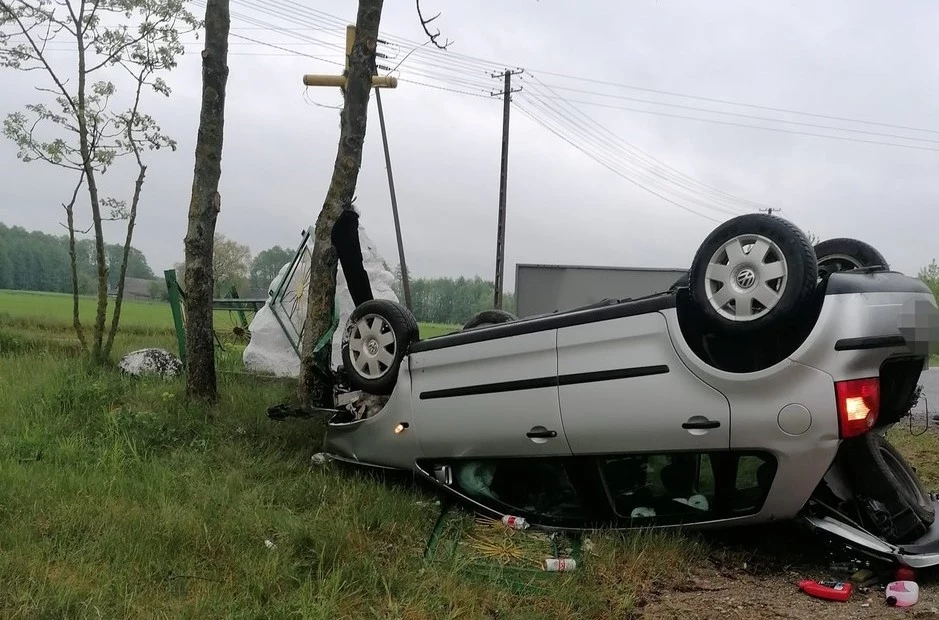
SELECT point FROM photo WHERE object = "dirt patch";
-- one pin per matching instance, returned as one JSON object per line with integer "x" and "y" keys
{"x": 723, "y": 596}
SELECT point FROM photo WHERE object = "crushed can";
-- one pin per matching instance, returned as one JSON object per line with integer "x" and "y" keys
{"x": 559, "y": 565}
{"x": 515, "y": 523}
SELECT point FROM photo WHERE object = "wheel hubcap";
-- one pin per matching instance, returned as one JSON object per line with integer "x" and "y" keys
{"x": 372, "y": 345}
{"x": 746, "y": 277}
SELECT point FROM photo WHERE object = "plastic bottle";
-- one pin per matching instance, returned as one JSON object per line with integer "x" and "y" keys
{"x": 902, "y": 593}
{"x": 515, "y": 523}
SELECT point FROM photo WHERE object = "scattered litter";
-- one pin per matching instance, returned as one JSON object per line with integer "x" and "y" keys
{"x": 270, "y": 544}
{"x": 587, "y": 545}
{"x": 862, "y": 575}
{"x": 905, "y": 573}
{"x": 828, "y": 590}
{"x": 515, "y": 523}
{"x": 866, "y": 603}
{"x": 320, "y": 458}
{"x": 559, "y": 565}
{"x": 642, "y": 511}
{"x": 902, "y": 593}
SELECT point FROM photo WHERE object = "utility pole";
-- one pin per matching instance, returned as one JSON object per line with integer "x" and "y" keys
{"x": 503, "y": 181}
{"x": 378, "y": 82}
{"x": 394, "y": 204}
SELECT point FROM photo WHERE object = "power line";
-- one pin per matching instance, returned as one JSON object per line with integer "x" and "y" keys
{"x": 479, "y": 63}
{"x": 737, "y": 103}
{"x": 656, "y": 166}
{"x": 685, "y": 182}
{"x": 596, "y": 150}
{"x": 746, "y": 126}
{"x": 611, "y": 168}
{"x": 741, "y": 115}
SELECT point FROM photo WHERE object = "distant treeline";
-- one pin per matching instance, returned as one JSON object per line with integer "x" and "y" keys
{"x": 451, "y": 300}
{"x": 35, "y": 261}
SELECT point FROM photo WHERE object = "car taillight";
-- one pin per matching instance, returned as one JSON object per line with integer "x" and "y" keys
{"x": 858, "y": 405}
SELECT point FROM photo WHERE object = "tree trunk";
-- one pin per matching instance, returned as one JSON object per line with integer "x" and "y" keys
{"x": 205, "y": 205}
{"x": 85, "y": 150}
{"x": 73, "y": 263}
{"x": 312, "y": 390}
{"x": 131, "y": 221}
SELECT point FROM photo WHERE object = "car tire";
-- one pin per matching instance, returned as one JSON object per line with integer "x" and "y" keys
{"x": 843, "y": 254}
{"x": 770, "y": 289}
{"x": 489, "y": 317}
{"x": 375, "y": 340}
{"x": 876, "y": 469}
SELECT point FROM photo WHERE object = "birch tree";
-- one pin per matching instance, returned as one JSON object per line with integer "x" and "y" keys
{"x": 91, "y": 115}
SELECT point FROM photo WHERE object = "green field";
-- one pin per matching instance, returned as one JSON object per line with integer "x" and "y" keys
{"x": 143, "y": 324}
{"x": 120, "y": 499}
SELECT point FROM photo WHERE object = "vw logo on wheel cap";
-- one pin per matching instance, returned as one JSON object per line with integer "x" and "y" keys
{"x": 746, "y": 278}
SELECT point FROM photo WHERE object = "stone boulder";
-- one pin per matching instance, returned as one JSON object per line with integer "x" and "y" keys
{"x": 151, "y": 362}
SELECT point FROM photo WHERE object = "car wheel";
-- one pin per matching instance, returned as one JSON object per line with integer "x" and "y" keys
{"x": 877, "y": 470}
{"x": 377, "y": 336}
{"x": 844, "y": 254}
{"x": 753, "y": 273}
{"x": 490, "y": 317}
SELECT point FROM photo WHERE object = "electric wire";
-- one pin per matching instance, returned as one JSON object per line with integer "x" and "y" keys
{"x": 599, "y": 152}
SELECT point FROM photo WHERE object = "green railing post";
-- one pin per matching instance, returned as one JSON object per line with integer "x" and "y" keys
{"x": 172, "y": 290}
{"x": 240, "y": 311}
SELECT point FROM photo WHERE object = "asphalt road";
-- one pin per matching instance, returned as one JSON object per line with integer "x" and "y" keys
{"x": 930, "y": 382}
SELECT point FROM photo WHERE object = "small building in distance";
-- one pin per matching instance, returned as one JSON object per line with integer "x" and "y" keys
{"x": 141, "y": 289}
{"x": 542, "y": 289}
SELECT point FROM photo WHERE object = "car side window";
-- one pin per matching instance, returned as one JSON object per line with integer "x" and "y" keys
{"x": 542, "y": 487}
{"x": 686, "y": 487}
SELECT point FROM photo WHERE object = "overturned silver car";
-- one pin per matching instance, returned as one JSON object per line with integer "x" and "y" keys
{"x": 757, "y": 389}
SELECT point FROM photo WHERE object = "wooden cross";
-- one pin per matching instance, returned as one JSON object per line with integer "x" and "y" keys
{"x": 339, "y": 81}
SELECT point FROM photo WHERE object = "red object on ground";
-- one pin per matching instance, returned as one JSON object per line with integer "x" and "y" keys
{"x": 905, "y": 573}
{"x": 828, "y": 590}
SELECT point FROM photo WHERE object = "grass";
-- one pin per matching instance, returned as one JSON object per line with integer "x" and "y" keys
{"x": 120, "y": 499}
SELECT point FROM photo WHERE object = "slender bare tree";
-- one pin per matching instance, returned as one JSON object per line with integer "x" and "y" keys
{"x": 313, "y": 389}
{"x": 205, "y": 205}
{"x": 83, "y": 129}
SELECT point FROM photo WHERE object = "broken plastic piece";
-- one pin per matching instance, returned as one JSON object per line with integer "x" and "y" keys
{"x": 902, "y": 593}
{"x": 828, "y": 590}
{"x": 320, "y": 458}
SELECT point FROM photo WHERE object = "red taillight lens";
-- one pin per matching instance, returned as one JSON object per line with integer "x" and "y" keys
{"x": 858, "y": 405}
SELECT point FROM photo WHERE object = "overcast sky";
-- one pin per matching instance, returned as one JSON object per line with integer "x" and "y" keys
{"x": 866, "y": 60}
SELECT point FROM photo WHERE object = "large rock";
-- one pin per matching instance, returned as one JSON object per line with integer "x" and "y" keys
{"x": 270, "y": 351}
{"x": 151, "y": 362}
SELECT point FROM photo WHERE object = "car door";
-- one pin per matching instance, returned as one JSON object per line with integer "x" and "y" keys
{"x": 623, "y": 389}
{"x": 493, "y": 397}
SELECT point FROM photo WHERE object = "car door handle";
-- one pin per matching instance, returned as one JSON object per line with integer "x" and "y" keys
{"x": 542, "y": 434}
{"x": 706, "y": 424}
